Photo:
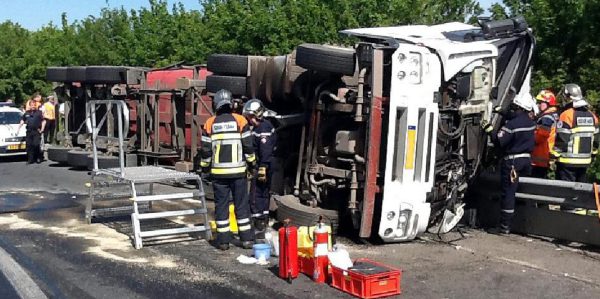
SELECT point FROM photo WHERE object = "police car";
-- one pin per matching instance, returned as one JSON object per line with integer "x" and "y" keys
{"x": 12, "y": 143}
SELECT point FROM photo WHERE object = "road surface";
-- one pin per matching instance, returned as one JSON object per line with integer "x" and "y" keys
{"x": 42, "y": 228}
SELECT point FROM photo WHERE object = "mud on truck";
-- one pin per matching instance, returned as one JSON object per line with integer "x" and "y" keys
{"x": 384, "y": 136}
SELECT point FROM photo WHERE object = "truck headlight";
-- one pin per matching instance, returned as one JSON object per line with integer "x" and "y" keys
{"x": 391, "y": 215}
{"x": 403, "y": 218}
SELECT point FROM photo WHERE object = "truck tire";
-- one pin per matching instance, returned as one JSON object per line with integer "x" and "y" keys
{"x": 227, "y": 64}
{"x": 59, "y": 154}
{"x": 77, "y": 158}
{"x": 289, "y": 207}
{"x": 75, "y": 74}
{"x": 326, "y": 58}
{"x": 103, "y": 162}
{"x": 56, "y": 74}
{"x": 237, "y": 85}
{"x": 106, "y": 74}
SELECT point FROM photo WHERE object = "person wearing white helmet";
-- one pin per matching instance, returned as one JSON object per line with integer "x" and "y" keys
{"x": 576, "y": 137}
{"x": 516, "y": 140}
{"x": 264, "y": 147}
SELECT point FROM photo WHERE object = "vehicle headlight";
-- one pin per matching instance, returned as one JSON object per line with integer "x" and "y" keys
{"x": 411, "y": 64}
{"x": 403, "y": 219}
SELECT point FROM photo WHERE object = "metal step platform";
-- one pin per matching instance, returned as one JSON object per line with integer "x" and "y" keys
{"x": 134, "y": 178}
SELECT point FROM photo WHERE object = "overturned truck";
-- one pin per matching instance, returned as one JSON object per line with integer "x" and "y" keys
{"x": 384, "y": 136}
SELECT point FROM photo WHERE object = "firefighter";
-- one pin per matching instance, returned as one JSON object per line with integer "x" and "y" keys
{"x": 226, "y": 155}
{"x": 264, "y": 146}
{"x": 576, "y": 136}
{"x": 34, "y": 123}
{"x": 544, "y": 133}
{"x": 516, "y": 140}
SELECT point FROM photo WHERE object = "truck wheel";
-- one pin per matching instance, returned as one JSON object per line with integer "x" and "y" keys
{"x": 226, "y": 64}
{"x": 237, "y": 85}
{"x": 77, "y": 158}
{"x": 59, "y": 154}
{"x": 106, "y": 74}
{"x": 289, "y": 206}
{"x": 103, "y": 162}
{"x": 75, "y": 74}
{"x": 56, "y": 74}
{"x": 326, "y": 58}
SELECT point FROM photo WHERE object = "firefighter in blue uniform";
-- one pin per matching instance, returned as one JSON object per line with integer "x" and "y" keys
{"x": 227, "y": 155}
{"x": 516, "y": 140}
{"x": 264, "y": 146}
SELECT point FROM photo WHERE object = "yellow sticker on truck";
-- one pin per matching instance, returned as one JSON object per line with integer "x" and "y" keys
{"x": 410, "y": 148}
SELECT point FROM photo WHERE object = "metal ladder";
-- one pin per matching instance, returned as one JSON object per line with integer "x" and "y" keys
{"x": 133, "y": 177}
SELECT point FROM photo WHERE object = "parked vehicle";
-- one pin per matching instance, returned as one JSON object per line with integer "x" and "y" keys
{"x": 12, "y": 142}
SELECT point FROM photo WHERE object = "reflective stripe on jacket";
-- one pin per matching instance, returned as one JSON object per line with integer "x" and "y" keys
{"x": 575, "y": 137}
{"x": 265, "y": 140}
{"x": 517, "y": 134}
{"x": 227, "y": 146}
{"x": 544, "y": 137}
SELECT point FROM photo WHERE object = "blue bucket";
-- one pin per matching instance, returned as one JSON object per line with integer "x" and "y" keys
{"x": 262, "y": 250}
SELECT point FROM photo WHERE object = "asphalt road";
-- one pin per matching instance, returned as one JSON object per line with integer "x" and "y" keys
{"x": 42, "y": 228}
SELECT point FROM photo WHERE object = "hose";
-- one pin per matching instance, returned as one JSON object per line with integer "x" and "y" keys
{"x": 452, "y": 135}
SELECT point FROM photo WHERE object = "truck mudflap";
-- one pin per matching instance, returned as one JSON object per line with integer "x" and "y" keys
{"x": 410, "y": 155}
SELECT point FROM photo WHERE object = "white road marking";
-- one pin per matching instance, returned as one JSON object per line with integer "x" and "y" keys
{"x": 18, "y": 278}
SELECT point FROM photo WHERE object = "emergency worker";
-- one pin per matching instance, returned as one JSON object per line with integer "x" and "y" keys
{"x": 516, "y": 140}
{"x": 49, "y": 112}
{"x": 226, "y": 155}
{"x": 264, "y": 146}
{"x": 35, "y": 123}
{"x": 576, "y": 136}
{"x": 544, "y": 133}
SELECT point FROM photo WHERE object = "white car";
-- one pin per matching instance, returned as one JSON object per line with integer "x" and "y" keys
{"x": 12, "y": 143}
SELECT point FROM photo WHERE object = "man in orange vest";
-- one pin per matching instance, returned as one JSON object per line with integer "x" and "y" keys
{"x": 49, "y": 112}
{"x": 544, "y": 133}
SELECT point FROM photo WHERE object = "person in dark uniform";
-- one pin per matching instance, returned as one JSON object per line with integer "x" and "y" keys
{"x": 516, "y": 140}
{"x": 227, "y": 155}
{"x": 264, "y": 147}
{"x": 35, "y": 124}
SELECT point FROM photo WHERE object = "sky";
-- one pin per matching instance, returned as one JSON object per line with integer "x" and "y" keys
{"x": 33, "y": 14}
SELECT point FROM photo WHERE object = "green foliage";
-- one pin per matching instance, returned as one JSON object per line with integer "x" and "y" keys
{"x": 161, "y": 35}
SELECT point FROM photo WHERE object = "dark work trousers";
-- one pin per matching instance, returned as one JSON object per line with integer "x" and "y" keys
{"x": 539, "y": 172}
{"x": 260, "y": 197}
{"x": 238, "y": 188}
{"x": 571, "y": 174}
{"x": 32, "y": 143}
{"x": 507, "y": 205}
{"x": 49, "y": 131}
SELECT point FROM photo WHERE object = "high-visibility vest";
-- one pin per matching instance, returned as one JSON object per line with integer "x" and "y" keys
{"x": 545, "y": 133}
{"x": 575, "y": 137}
{"x": 227, "y": 146}
{"x": 49, "y": 111}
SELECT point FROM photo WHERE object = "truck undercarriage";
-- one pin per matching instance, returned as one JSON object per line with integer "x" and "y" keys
{"x": 383, "y": 137}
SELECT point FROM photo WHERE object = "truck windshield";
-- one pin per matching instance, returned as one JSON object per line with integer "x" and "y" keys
{"x": 10, "y": 118}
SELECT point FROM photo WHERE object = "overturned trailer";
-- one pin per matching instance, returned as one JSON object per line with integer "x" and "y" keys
{"x": 391, "y": 127}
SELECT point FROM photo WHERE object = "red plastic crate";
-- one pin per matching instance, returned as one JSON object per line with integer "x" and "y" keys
{"x": 367, "y": 286}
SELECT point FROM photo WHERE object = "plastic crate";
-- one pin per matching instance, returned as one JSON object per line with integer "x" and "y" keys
{"x": 367, "y": 286}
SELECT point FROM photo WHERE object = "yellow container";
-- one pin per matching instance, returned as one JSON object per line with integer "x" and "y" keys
{"x": 232, "y": 221}
{"x": 305, "y": 236}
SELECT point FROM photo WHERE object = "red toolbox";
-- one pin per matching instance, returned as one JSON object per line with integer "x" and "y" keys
{"x": 367, "y": 279}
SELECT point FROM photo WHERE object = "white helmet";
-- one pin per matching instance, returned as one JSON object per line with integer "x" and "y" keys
{"x": 573, "y": 94}
{"x": 254, "y": 108}
{"x": 524, "y": 101}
